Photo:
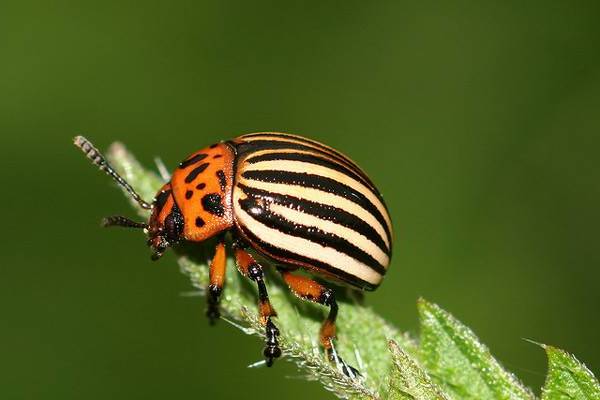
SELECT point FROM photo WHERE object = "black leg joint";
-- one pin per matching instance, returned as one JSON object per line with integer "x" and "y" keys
{"x": 255, "y": 272}
{"x": 328, "y": 298}
{"x": 238, "y": 244}
{"x": 214, "y": 291}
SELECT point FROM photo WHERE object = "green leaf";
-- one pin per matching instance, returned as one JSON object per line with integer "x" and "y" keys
{"x": 362, "y": 334}
{"x": 568, "y": 378}
{"x": 455, "y": 358}
{"x": 408, "y": 381}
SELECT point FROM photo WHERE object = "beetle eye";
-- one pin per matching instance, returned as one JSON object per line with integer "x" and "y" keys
{"x": 170, "y": 229}
{"x": 173, "y": 227}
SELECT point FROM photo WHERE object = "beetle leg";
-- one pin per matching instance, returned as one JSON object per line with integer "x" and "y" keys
{"x": 251, "y": 269}
{"x": 217, "y": 279}
{"x": 308, "y": 289}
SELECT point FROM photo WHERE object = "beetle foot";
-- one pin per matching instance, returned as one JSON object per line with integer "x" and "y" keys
{"x": 212, "y": 312}
{"x": 346, "y": 369}
{"x": 272, "y": 350}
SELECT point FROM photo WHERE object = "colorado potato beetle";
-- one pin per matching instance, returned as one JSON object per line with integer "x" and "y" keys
{"x": 295, "y": 201}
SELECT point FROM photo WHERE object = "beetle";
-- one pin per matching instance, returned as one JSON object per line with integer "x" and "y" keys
{"x": 298, "y": 203}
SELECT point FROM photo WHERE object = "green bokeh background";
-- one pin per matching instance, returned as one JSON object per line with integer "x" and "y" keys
{"x": 479, "y": 122}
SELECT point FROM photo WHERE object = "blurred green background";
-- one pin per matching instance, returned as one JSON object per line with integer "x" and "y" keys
{"x": 479, "y": 121}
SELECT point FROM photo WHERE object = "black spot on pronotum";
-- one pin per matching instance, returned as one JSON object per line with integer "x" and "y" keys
{"x": 199, "y": 222}
{"x": 192, "y": 160}
{"x": 212, "y": 146}
{"x": 161, "y": 199}
{"x": 222, "y": 180}
{"x": 200, "y": 186}
{"x": 189, "y": 194}
{"x": 212, "y": 204}
{"x": 195, "y": 172}
{"x": 218, "y": 156}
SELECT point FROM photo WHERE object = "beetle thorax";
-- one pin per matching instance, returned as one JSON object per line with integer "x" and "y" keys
{"x": 201, "y": 188}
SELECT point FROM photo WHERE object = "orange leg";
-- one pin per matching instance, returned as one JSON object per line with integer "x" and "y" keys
{"x": 217, "y": 279}
{"x": 309, "y": 289}
{"x": 251, "y": 269}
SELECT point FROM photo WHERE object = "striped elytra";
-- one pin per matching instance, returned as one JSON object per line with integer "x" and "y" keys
{"x": 305, "y": 204}
{"x": 293, "y": 200}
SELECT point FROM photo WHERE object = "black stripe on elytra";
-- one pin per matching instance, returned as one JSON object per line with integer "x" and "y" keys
{"x": 297, "y": 259}
{"x": 222, "y": 179}
{"x": 192, "y": 160}
{"x": 322, "y": 211}
{"x": 321, "y": 183}
{"x": 264, "y": 144}
{"x": 313, "y": 159}
{"x": 160, "y": 200}
{"x": 195, "y": 172}
{"x": 299, "y": 139}
{"x": 212, "y": 204}
{"x": 302, "y": 139}
{"x": 261, "y": 213}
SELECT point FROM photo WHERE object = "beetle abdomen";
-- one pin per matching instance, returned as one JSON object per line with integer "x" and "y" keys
{"x": 305, "y": 204}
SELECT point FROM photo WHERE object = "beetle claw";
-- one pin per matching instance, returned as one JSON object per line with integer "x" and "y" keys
{"x": 346, "y": 369}
{"x": 213, "y": 314}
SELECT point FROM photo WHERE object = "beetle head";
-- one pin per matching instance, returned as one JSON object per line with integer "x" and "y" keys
{"x": 165, "y": 226}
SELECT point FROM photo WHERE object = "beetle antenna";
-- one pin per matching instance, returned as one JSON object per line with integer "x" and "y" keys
{"x": 98, "y": 159}
{"x": 118, "y": 220}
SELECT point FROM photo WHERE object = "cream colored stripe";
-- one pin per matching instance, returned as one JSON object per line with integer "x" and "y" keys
{"x": 308, "y": 249}
{"x": 325, "y": 156}
{"x": 310, "y": 168}
{"x": 321, "y": 197}
{"x": 355, "y": 238}
{"x": 310, "y": 143}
